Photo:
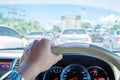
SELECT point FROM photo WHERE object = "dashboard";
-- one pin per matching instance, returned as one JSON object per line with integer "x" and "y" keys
{"x": 5, "y": 65}
{"x": 78, "y": 67}
{"x": 71, "y": 67}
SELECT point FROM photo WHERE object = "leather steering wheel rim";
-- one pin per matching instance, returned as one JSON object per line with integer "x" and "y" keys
{"x": 88, "y": 49}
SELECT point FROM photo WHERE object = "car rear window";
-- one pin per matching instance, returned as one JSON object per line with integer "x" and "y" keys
{"x": 74, "y": 31}
{"x": 90, "y": 31}
{"x": 36, "y": 33}
{"x": 118, "y": 32}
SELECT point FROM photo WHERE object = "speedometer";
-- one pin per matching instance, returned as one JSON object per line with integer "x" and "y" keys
{"x": 97, "y": 73}
{"x": 53, "y": 73}
{"x": 74, "y": 72}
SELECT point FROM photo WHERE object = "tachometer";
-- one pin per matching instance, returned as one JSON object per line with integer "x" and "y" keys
{"x": 97, "y": 73}
{"x": 53, "y": 73}
{"x": 75, "y": 72}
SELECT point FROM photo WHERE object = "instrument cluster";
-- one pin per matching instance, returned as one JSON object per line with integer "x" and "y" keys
{"x": 76, "y": 72}
{"x": 79, "y": 67}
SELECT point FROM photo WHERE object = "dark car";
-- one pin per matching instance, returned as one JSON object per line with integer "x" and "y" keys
{"x": 96, "y": 37}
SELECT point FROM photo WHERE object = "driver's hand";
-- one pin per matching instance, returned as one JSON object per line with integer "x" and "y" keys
{"x": 36, "y": 59}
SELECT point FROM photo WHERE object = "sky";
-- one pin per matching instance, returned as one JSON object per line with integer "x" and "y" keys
{"x": 50, "y": 14}
{"x": 107, "y": 4}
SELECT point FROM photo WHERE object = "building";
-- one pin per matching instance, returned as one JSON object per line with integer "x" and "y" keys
{"x": 71, "y": 21}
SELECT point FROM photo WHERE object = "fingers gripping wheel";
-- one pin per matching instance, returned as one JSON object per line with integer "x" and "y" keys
{"x": 88, "y": 49}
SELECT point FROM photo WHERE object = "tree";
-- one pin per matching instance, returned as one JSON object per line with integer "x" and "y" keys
{"x": 1, "y": 14}
{"x": 85, "y": 25}
{"x": 20, "y": 25}
{"x": 98, "y": 26}
{"x": 115, "y": 27}
{"x": 56, "y": 29}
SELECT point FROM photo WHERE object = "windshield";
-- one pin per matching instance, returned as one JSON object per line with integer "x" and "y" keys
{"x": 94, "y": 18}
{"x": 36, "y": 33}
{"x": 118, "y": 32}
{"x": 74, "y": 31}
{"x": 90, "y": 31}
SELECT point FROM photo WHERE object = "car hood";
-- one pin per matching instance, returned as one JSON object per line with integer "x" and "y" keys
{"x": 10, "y": 42}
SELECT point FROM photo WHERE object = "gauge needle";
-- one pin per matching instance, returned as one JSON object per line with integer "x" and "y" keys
{"x": 75, "y": 78}
{"x": 56, "y": 79}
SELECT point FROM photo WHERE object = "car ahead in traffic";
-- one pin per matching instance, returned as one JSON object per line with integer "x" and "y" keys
{"x": 35, "y": 36}
{"x": 74, "y": 35}
{"x": 9, "y": 38}
{"x": 98, "y": 35}
{"x": 39, "y": 35}
{"x": 90, "y": 31}
{"x": 112, "y": 41}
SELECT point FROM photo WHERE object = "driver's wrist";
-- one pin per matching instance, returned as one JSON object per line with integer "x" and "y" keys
{"x": 27, "y": 71}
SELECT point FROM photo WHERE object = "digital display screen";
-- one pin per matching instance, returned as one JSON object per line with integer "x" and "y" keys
{"x": 56, "y": 78}
{"x": 4, "y": 67}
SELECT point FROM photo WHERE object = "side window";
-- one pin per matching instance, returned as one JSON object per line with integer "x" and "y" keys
{"x": 118, "y": 33}
{"x": 4, "y": 31}
{"x": 111, "y": 33}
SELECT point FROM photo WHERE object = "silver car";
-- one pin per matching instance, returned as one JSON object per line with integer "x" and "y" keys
{"x": 112, "y": 41}
{"x": 74, "y": 35}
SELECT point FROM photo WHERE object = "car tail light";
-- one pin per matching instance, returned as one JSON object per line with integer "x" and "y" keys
{"x": 27, "y": 38}
{"x": 118, "y": 39}
{"x": 61, "y": 39}
{"x": 39, "y": 38}
{"x": 87, "y": 38}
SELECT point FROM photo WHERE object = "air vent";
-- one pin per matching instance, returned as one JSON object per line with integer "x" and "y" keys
{"x": 14, "y": 64}
{"x": 17, "y": 63}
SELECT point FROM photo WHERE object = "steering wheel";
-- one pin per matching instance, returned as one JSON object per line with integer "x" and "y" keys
{"x": 88, "y": 49}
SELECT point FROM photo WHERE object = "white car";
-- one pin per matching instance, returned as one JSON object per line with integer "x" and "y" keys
{"x": 74, "y": 35}
{"x": 9, "y": 38}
